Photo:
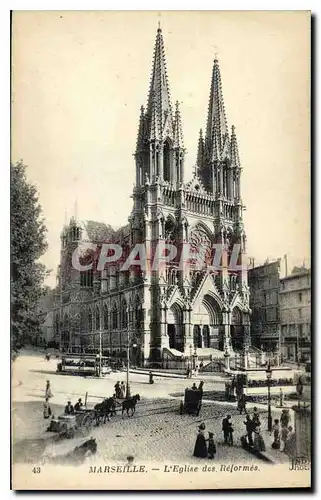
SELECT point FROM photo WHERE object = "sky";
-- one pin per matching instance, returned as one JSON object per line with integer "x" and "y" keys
{"x": 80, "y": 77}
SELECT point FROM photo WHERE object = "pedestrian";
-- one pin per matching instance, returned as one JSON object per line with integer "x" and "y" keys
{"x": 227, "y": 430}
{"x": 230, "y": 433}
{"x": 201, "y": 366}
{"x": 256, "y": 417}
{"x": 200, "y": 387}
{"x": 285, "y": 418}
{"x": 117, "y": 390}
{"x": 299, "y": 388}
{"x": 188, "y": 372}
{"x": 290, "y": 448}
{"x": 48, "y": 393}
{"x": 250, "y": 428}
{"x": 241, "y": 404}
{"x": 259, "y": 444}
{"x": 200, "y": 448}
{"x": 276, "y": 434}
{"x": 46, "y": 409}
{"x": 211, "y": 447}
{"x": 284, "y": 437}
{"x": 122, "y": 390}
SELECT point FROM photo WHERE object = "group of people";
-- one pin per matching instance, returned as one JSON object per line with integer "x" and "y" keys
{"x": 204, "y": 448}
{"x": 120, "y": 390}
{"x": 70, "y": 409}
{"x": 253, "y": 436}
{"x": 283, "y": 434}
{"x": 190, "y": 372}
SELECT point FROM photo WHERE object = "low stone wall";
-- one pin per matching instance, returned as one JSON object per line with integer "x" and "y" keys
{"x": 286, "y": 389}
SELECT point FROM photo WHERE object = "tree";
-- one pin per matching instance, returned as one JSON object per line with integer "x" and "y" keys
{"x": 28, "y": 244}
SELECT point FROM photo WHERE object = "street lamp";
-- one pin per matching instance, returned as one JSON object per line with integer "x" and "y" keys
{"x": 127, "y": 374}
{"x": 268, "y": 377}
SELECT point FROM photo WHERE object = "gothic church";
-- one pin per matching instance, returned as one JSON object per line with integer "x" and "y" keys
{"x": 166, "y": 313}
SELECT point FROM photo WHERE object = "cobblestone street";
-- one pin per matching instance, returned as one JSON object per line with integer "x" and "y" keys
{"x": 156, "y": 432}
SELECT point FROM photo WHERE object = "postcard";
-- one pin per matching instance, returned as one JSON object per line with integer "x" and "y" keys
{"x": 160, "y": 250}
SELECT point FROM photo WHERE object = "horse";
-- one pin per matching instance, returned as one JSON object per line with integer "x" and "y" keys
{"x": 105, "y": 409}
{"x": 130, "y": 404}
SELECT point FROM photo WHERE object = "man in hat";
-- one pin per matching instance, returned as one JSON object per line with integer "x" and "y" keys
{"x": 69, "y": 409}
{"x": 227, "y": 430}
{"x": 78, "y": 405}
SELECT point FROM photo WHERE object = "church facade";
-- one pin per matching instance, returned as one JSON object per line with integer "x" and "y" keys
{"x": 170, "y": 309}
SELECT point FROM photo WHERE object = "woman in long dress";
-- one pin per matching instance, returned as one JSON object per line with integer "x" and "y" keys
{"x": 200, "y": 448}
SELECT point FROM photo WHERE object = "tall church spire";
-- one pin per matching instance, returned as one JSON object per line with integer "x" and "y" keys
{"x": 215, "y": 152}
{"x": 160, "y": 150}
{"x": 216, "y": 128}
{"x": 159, "y": 102}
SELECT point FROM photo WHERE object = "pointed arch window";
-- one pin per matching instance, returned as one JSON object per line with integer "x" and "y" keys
{"x": 123, "y": 315}
{"x": 97, "y": 318}
{"x": 90, "y": 321}
{"x": 167, "y": 161}
{"x": 86, "y": 278}
{"x": 105, "y": 318}
{"x": 114, "y": 318}
{"x": 83, "y": 320}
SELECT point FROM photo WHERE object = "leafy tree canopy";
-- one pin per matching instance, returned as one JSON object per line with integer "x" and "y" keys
{"x": 28, "y": 244}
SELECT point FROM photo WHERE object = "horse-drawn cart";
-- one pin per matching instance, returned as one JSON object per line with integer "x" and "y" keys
{"x": 192, "y": 402}
{"x": 68, "y": 425}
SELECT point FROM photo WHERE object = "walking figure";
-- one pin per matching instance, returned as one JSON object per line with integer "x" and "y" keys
{"x": 48, "y": 393}
{"x": 256, "y": 417}
{"x": 241, "y": 404}
{"x": 46, "y": 409}
{"x": 227, "y": 430}
{"x": 250, "y": 428}
{"x": 276, "y": 435}
{"x": 211, "y": 448}
{"x": 117, "y": 390}
{"x": 200, "y": 449}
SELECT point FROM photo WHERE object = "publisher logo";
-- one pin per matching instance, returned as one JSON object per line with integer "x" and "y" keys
{"x": 299, "y": 463}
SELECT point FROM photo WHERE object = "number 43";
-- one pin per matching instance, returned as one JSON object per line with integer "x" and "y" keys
{"x": 36, "y": 470}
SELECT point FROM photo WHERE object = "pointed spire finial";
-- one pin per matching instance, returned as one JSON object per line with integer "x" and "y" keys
{"x": 216, "y": 128}
{"x": 159, "y": 106}
{"x": 215, "y": 53}
{"x": 235, "y": 159}
{"x": 159, "y": 26}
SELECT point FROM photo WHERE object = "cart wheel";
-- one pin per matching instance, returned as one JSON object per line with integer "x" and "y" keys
{"x": 181, "y": 408}
{"x": 87, "y": 423}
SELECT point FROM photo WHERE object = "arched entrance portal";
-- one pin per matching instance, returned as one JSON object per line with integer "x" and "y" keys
{"x": 174, "y": 327}
{"x": 237, "y": 329}
{"x": 197, "y": 336}
{"x": 212, "y": 332}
